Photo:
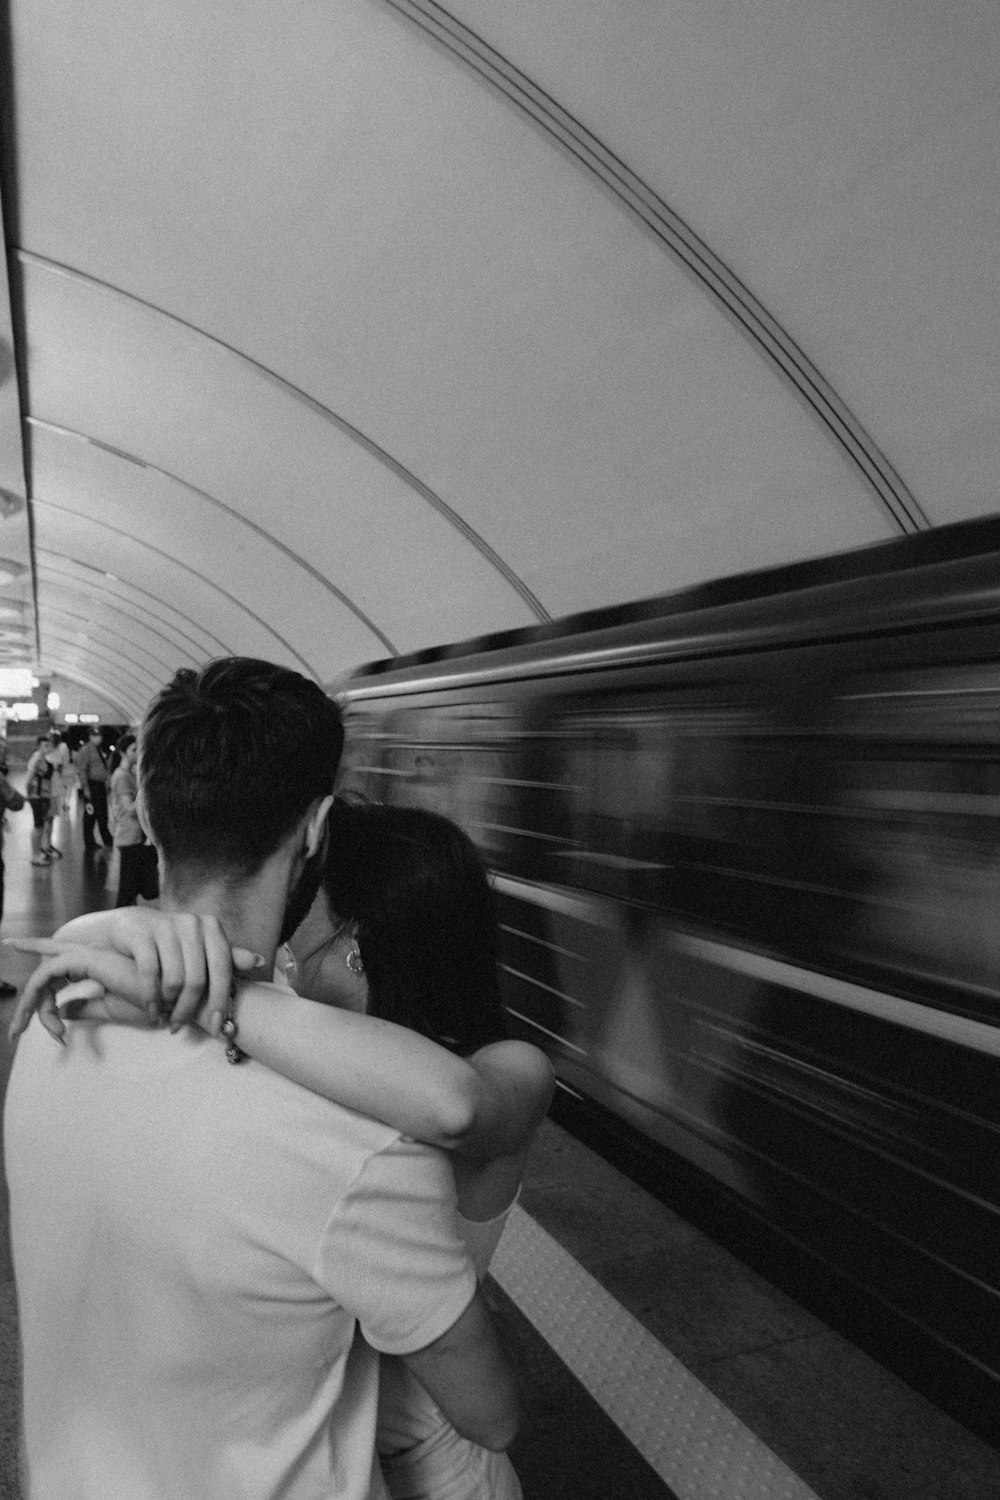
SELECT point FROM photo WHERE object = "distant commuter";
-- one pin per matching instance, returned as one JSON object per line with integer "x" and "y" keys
{"x": 92, "y": 769}
{"x": 63, "y": 773}
{"x": 10, "y": 801}
{"x": 136, "y": 855}
{"x": 41, "y": 781}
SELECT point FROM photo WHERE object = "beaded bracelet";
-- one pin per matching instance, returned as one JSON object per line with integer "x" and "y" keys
{"x": 229, "y": 1028}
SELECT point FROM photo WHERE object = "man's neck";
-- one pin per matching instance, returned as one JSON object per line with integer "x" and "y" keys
{"x": 249, "y": 911}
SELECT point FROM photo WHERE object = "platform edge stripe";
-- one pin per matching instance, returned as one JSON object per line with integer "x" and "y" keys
{"x": 690, "y": 1438}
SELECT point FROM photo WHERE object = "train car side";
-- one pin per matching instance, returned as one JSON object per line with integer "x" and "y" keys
{"x": 747, "y": 856}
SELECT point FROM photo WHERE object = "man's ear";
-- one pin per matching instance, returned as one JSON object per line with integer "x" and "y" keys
{"x": 140, "y": 812}
{"x": 316, "y": 825}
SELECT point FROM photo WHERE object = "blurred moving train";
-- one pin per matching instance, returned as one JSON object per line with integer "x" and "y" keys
{"x": 746, "y": 845}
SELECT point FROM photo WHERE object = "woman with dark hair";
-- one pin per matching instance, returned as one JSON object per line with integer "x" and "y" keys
{"x": 406, "y": 899}
{"x": 399, "y": 947}
{"x": 404, "y": 929}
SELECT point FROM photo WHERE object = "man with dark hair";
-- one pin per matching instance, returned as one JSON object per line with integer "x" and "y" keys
{"x": 194, "y": 1243}
{"x": 230, "y": 757}
{"x": 92, "y": 770}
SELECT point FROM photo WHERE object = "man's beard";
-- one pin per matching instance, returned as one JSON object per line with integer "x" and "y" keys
{"x": 303, "y": 892}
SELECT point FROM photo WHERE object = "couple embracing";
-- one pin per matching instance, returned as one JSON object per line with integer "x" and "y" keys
{"x": 248, "y": 1227}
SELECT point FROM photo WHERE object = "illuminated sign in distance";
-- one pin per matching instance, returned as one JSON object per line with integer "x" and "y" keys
{"x": 17, "y": 682}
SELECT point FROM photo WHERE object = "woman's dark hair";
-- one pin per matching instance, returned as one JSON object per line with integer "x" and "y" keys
{"x": 118, "y": 753}
{"x": 417, "y": 889}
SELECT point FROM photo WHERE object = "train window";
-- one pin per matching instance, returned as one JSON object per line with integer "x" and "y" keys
{"x": 920, "y": 790}
{"x": 473, "y": 762}
{"x": 615, "y": 763}
{"x": 709, "y": 801}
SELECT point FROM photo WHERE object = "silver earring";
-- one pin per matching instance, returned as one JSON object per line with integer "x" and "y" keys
{"x": 354, "y": 961}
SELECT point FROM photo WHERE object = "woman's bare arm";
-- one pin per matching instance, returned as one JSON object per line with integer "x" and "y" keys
{"x": 485, "y": 1106}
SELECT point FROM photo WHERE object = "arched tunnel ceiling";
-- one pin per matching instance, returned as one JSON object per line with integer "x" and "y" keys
{"x": 341, "y": 329}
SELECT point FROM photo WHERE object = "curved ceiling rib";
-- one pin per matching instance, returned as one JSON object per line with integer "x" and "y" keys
{"x": 209, "y": 583}
{"x": 137, "y": 675}
{"x": 135, "y": 685}
{"x": 70, "y": 602}
{"x": 59, "y": 618}
{"x": 60, "y": 623}
{"x": 346, "y": 428}
{"x": 231, "y": 512}
{"x": 108, "y": 595}
{"x": 133, "y": 656}
{"x": 682, "y": 242}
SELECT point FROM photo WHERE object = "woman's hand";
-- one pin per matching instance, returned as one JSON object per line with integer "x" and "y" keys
{"x": 104, "y": 985}
{"x": 178, "y": 962}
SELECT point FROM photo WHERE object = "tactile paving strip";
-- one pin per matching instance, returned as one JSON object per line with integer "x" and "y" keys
{"x": 688, "y": 1436}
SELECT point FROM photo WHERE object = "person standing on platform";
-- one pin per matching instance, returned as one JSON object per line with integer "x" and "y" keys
{"x": 39, "y": 779}
{"x": 136, "y": 856}
{"x": 405, "y": 931}
{"x": 65, "y": 771}
{"x": 57, "y": 756}
{"x": 10, "y": 801}
{"x": 190, "y": 1282}
{"x": 92, "y": 769}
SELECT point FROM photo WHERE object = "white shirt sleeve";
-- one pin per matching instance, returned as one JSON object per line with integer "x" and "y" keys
{"x": 391, "y": 1253}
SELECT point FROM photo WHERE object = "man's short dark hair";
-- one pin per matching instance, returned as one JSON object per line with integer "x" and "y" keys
{"x": 230, "y": 758}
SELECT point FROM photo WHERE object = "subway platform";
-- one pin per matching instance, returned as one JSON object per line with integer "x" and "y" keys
{"x": 654, "y": 1363}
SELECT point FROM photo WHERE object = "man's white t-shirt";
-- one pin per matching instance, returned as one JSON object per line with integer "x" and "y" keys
{"x": 193, "y": 1243}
